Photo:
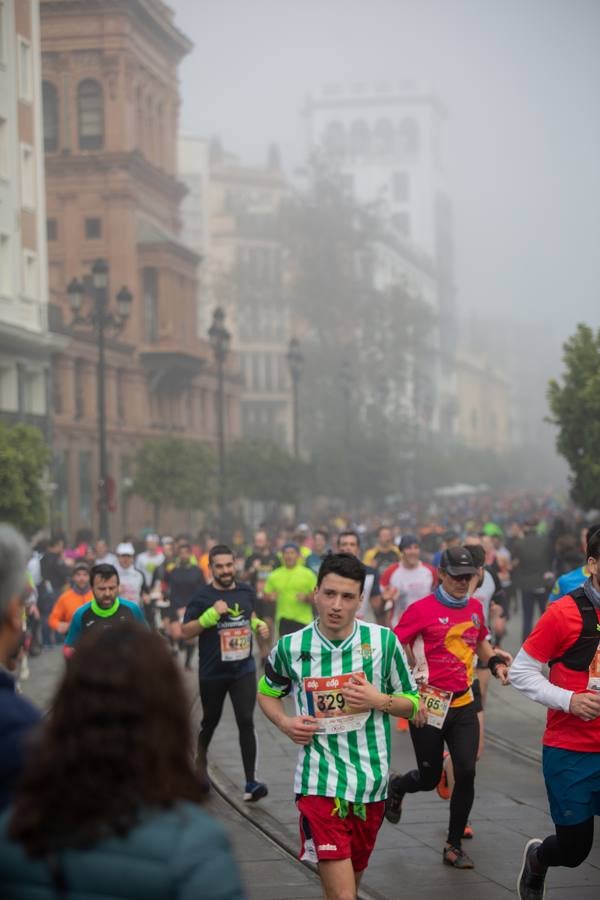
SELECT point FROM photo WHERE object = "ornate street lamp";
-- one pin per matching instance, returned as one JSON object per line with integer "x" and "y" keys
{"x": 99, "y": 319}
{"x": 220, "y": 340}
{"x": 295, "y": 360}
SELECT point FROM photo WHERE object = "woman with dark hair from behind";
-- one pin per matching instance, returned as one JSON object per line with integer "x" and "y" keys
{"x": 110, "y": 804}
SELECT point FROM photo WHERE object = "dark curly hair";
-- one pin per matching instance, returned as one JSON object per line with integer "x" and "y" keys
{"x": 117, "y": 742}
{"x": 345, "y": 565}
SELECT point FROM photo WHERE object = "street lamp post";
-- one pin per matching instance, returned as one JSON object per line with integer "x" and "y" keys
{"x": 100, "y": 318}
{"x": 295, "y": 361}
{"x": 220, "y": 339}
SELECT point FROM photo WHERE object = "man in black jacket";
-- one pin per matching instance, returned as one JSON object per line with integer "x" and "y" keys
{"x": 531, "y": 562}
{"x": 55, "y": 573}
{"x": 183, "y": 579}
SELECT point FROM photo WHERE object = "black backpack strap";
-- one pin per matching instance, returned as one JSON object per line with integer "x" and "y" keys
{"x": 580, "y": 654}
{"x": 588, "y": 611}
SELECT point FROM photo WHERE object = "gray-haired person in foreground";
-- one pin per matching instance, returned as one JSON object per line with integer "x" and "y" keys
{"x": 17, "y": 716}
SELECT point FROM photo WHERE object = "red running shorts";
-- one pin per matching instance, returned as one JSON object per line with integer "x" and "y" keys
{"x": 325, "y": 836}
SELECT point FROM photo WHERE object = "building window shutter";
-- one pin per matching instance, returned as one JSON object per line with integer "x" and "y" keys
{"x": 90, "y": 108}
{"x": 50, "y": 108}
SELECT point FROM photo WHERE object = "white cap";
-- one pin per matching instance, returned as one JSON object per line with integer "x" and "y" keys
{"x": 125, "y": 549}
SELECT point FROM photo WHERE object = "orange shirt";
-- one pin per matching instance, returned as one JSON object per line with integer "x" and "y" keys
{"x": 205, "y": 567}
{"x": 66, "y": 606}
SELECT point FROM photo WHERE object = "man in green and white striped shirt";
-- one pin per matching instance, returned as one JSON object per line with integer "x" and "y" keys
{"x": 347, "y": 678}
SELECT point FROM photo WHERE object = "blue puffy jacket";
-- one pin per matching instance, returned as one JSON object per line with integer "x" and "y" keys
{"x": 18, "y": 719}
{"x": 176, "y": 854}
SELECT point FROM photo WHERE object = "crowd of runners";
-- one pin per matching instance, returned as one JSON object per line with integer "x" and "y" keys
{"x": 357, "y": 624}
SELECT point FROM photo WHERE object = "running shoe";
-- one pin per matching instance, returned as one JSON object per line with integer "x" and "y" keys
{"x": 443, "y": 787}
{"x": 393, "y": 803}
{"x": 468, "y": 832}
{"x": 454, "y": 856}
{"x": 255, "y": 790}
{"x": 530, "y": 885}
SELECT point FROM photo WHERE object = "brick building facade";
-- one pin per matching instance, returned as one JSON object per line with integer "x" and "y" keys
{"x": 111, "y": 107}
{"x": 25, "y": 344}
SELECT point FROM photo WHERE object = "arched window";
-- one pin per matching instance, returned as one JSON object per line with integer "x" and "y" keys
{"x": 408, "y": 135}
{"x": 384, "y": 136}
{"x": 50, "y": 115}
{"x": 334, "y": 138}
{"x": 360, "y": 138}
{"x": 90, "y": 109}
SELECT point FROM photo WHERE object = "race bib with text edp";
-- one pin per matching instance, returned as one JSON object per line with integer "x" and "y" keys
{"x": 325, "y": 701}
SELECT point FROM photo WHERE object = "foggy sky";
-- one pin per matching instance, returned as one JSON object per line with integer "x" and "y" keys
{"x": 520, "y": 80}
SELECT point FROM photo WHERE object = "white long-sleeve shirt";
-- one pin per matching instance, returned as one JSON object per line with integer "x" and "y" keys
{"x": 526, "y": 676}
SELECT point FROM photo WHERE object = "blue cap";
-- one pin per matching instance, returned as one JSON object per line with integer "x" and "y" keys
{"x": 290, "y": 545}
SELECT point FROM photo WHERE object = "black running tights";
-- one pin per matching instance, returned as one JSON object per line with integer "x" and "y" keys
{"x": 570, "y": 846}
{"x": 461, "y": 733}
{"x": 243, "y": 698}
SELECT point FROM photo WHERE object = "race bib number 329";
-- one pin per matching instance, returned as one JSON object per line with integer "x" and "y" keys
{"x": 326, "y": 702}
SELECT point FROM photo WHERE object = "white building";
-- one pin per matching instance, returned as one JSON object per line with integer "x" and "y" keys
{"x": 25, "y": 344}
{"x": 385, "y": 140}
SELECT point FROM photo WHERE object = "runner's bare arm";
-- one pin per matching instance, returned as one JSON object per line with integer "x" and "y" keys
{"x": 300, "y": 729}
{"x": 485, "y": 652}
{"x": 409, "y": 655}
{"x": 363, "y": 696}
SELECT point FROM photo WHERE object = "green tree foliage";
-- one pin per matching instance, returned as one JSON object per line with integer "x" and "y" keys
{"x": 174, "y": 472}
{"x": 575, "y": 407}
{"x": 261, "y": 470}
{"x": 23, "y": 458}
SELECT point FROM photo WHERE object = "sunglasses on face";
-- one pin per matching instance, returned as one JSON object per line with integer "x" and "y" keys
{"x": 460, "y": 577}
